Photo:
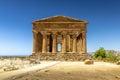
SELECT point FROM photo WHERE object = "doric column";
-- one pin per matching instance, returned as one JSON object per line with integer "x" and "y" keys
{"x": 48, "y": 42}
{"x": 39, "y": 42}
{"x": 84, "y": 41}
{"x": 64, "y": 43}
{"x": 68, "y": 43}
{"x": 44, "y": 43}
{"x": 54, "y": 45}
{"x": 60, "y": 47}
{"x": 78, "y": 44}
{"x": 81, "y": 44}
{"x": 71, "y": 44}
{"x": 74, "y": 44}
{"x": 34, "y": 42}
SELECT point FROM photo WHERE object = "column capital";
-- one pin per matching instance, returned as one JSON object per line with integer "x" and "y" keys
{"x": 74, "y": 33}
{"x": 34, "y": 31}
{"x": 84, "y": 34}
{"x": 44, "y": 36}
{"x": 74, "y": 36}
{"x": 47, "y": 33}
{"x": 64, "y": 33}
{"x": 83, "y": 31}
{"x": 44, "y": 32}
{"x": 35, "y": 35}
{"x": 54, "y": 32}
{"x": 54, "y": 35}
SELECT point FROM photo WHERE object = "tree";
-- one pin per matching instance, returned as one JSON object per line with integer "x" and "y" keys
{"x": 118, "y": 57}
{"x": 111, "y": 56}
{"x": 100, "y": 53}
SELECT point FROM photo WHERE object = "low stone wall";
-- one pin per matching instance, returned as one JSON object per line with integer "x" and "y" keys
{"x": 62, "y": 56}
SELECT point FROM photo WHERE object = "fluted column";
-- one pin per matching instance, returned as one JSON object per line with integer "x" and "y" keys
{"x": 74, "y": 44}
{"x": 68, "y": 43}
{"x": 81, "y": 44}
{"x": 84, "y": 41}
{"x": 34, "y": 42}
{"x": 71, "y": 44}
{"x": 54, "y": 46}
{"x": 44, "y": 43}
{"x": 78, "y": 44}
{"x": 64, "y": 43}
{"x": 48, "y": 42}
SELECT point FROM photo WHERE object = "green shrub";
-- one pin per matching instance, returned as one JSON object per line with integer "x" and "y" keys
{"x": 111, "y": 56}
{"x": 100, "y": 53}
{"x": 107, "y": 55}
{"x": 118, "y": 57}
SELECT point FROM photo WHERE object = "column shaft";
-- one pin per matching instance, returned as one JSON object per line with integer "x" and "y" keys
{"x": 44, "y": 43}
{"x": 71, "y": 44}
{"x": 74, "y": 44}
{"x": 68, "y": 43}
{"x": 64, "y": 44}
{"x": 34, "y": 42}
{"x": 54, "y": 46}
{"x": 84, "y": 41}
{"x": 48, "y": 43}
{"x": 78, "y": 45}
{"x": 81, "y": 44}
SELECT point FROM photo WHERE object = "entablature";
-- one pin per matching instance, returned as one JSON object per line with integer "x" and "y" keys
{"x": 58, "y": 25}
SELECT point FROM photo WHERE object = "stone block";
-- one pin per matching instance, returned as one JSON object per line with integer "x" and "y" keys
{"x": 89, "y": 61}
{"x": 118, "y": 62}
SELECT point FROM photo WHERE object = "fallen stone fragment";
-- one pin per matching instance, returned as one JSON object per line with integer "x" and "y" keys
{"x": 89, "y": 61}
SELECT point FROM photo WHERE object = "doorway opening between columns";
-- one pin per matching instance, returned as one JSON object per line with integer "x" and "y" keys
{"x": 59, "y": 47}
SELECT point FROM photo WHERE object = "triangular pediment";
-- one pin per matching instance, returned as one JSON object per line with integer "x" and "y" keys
{"x": 60, "y": 19}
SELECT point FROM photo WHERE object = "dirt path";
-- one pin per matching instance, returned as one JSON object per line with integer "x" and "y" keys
{"x": 75, "y": 71}
{"x": 13, "y": 74}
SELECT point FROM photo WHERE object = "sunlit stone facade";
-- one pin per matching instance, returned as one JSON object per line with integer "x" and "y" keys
{"x": 67, "y": 32}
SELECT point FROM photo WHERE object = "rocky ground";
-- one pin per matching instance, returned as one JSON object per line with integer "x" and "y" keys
{"x": 8, "y": 64}
{"x": 11, "y": 68}
{"x": 74, "y": 71}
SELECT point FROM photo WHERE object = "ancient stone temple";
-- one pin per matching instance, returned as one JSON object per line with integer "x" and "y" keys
{"x": 59, "y": 37}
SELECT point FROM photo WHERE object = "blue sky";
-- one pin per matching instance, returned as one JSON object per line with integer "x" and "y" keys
{"x": 16, "y": 17}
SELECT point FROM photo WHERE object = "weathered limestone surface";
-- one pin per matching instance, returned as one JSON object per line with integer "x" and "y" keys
{"x": 89, "y": 61}
{"x": 68, "y": 32}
